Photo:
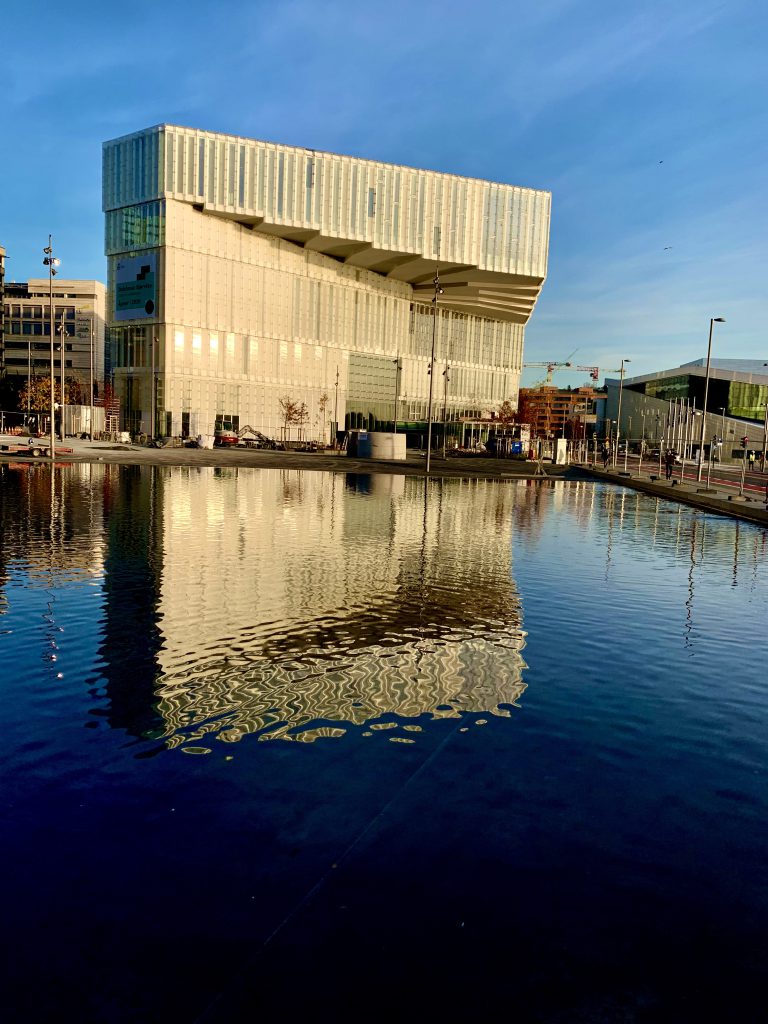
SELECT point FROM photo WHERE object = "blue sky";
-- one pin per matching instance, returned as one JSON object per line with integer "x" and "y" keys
{"x": 648, "y": 122}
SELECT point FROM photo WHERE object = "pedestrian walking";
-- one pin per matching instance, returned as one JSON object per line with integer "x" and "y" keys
{"x": 752, "y": 460}
{"x": 669, "y": 461}
{"x": 606, "y": 453}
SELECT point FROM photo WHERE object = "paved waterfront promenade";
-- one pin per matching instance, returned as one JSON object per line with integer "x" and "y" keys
{"x": 721, "y": 497}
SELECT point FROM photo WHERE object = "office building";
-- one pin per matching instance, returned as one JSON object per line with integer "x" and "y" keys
{"x": 78, "y": 319}
{"x": 662, "y": 405}
{"x": 241, "y": 271}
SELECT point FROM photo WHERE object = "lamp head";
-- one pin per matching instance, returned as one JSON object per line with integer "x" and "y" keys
{"x": 718, "y": 319}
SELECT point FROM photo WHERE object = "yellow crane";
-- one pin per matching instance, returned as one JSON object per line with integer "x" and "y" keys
{"x": 550, "y": 367}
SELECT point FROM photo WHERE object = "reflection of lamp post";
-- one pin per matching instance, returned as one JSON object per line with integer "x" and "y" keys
{"x": 713, "y": 320}
{"x": 51, "y": 262}
{"x": 438, "y": 291}
{"x": 618, "y": 417}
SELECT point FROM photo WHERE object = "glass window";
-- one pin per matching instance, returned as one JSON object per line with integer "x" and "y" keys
{"x": 232, "y": 170}
{"x": 180, "y": 164}
{"x": 371, "y": 202}
{"x": 280, "y": 183}
{"x": 309, "y": 184}
{"x": 170, "y": 163}
{"x": 211, "y": 171}
{"x": 200, "y": 167}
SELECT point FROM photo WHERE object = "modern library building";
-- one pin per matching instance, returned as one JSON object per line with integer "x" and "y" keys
{"x": 243, "y": 272}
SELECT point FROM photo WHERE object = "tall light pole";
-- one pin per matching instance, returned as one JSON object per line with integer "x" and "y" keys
{"x": 398, "y": 368}
{"x": 51, "y": 262}
{"x": 29, "y": 377}
{"x": 62, "y": 330}
{"x": 152, "y": 409}
{"x": 618, "y": 417}
{"x": 430, "y": 371}
{"x": 713, "y": 320}
{"x": 90, "y": 380}
{"x": 336, "y": 411}
{"x": 446, "y": 375}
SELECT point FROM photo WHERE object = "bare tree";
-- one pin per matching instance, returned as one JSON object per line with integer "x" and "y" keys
{"x": 289, "y": 410}
{"x": 301, "y": 416}
{"x": 322, "y": 406}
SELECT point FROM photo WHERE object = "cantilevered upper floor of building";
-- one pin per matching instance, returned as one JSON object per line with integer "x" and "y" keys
{"x": 488, "y": 240}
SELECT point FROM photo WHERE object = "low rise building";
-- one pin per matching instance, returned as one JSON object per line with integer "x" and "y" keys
{"x": 667, "y": 406}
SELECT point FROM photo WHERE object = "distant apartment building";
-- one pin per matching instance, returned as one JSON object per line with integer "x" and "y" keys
{"x": 2, "y": 308}
{"x": 243, "y": 271}
{"x": 78, "y": 320}
{"x": 557, "y": 412}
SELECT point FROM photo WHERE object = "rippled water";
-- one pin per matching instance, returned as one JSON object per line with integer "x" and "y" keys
{"x": 513, "y": 726}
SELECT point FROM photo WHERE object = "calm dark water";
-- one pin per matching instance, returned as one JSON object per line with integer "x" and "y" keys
{"x": 292, "y": 743}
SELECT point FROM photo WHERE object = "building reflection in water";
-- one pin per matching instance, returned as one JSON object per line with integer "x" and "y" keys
{"x": 293, "y": 604}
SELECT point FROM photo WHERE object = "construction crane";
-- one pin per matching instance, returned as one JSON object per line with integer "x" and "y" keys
{"x": 594, "y": 371}
{"x": 550, "y": 368}
{"x": 552, "y": 365}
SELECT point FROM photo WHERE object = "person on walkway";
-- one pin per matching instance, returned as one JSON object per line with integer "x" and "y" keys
{"x": 751, "y": 460}
{"x": 669, "y": 461}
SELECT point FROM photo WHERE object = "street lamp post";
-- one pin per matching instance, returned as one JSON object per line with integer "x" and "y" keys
{"x": 713, "y": 320}
{"x": 152, "y": 407}
{"x": 445, "y": 401}
{"x": 398, "y": 367}
{"x": 62, "y": 334}
{"x": 90, "y": 381}
{"x": 438, "y": 291}
{"x": 29, "y": 377}
{"x": 618, "y": 417}
{"x": 51, "y": 262}
{"x": 336, "y": 411}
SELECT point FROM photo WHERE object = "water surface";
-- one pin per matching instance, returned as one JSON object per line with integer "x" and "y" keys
{"x": 293, "y": 740}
